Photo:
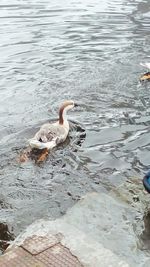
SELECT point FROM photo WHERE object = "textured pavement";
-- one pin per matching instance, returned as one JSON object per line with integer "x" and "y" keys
{"x": 39, "y": 251}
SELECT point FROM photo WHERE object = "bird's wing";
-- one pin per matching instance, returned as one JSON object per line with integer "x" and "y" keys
{"x": 49, "y": 132}
{"x": 146, "y": 65}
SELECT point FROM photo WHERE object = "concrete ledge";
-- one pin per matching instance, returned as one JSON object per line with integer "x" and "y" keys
{"x": 89, "y": 235}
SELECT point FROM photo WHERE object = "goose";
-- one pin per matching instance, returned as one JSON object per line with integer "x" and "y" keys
{"x": 52, "y": 134}
{"x": 145, "y": 76}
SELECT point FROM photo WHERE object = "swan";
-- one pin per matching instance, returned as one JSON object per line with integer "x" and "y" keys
{"x": 52, "y": 134}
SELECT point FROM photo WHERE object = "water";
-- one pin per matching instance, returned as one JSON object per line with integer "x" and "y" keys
{"x": 88, "y": 51}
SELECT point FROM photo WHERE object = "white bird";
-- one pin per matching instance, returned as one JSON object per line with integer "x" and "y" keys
{"x": 52, "y": 134}
{"x": 146, "y": 65}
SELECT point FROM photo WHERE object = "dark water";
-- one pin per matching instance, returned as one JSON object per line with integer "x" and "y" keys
{"x": 88, "y": 51}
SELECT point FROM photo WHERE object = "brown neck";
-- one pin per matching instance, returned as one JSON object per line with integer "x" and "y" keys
{"x": 61, "y": 120}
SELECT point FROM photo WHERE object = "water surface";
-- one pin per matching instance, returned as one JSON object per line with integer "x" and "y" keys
{"x": 88, "y": 51}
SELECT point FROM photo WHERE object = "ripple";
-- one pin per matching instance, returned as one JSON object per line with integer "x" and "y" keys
{"x": 88, "y": 51}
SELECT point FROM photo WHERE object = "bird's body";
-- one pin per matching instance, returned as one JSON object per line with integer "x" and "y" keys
{"x": 145, "y": 76}
{"x": 52, "y": 134}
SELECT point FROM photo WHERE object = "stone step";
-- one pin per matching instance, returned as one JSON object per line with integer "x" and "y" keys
{"x": 96, "y": 232}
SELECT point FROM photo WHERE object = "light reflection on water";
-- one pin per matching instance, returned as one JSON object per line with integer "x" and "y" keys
{"x": 88, "y": 51}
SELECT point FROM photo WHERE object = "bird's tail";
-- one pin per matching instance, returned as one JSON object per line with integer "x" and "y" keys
{"x": 34, "y": 143}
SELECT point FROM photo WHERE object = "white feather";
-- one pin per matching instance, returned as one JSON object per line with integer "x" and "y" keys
{"x": 146, "y": 65}
{"x": 39, "y": 145}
